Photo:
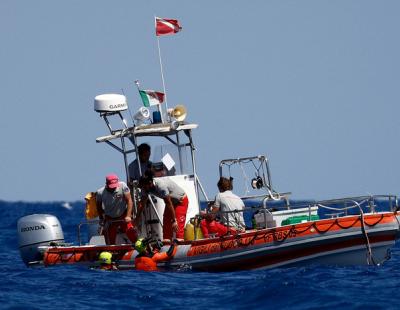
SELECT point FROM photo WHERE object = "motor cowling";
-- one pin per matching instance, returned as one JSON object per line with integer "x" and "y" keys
{"x": 37, "y": 230}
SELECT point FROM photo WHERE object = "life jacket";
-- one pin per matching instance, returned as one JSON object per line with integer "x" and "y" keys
{"x": 108, "y": 267}
{"x": 91, "y": 207}
{"x": 148, "y": 262}
{"x": 145, "y": 263}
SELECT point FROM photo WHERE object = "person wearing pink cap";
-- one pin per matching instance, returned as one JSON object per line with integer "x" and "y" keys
{"x": 114, "y": 206}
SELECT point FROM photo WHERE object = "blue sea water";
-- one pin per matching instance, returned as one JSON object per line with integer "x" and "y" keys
{"x": 68, "y": 287}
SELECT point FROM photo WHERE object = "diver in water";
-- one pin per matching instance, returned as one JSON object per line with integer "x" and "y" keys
{"x": 149, "y": 254}
{"x": 105, "y": 261}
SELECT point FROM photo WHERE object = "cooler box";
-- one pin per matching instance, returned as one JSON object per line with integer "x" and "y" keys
{"x": 284, "y": 217}
{"x": 261, "y": 220}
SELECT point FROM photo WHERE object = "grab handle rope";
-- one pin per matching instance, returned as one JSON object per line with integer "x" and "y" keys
{"x": 370, "y": 258}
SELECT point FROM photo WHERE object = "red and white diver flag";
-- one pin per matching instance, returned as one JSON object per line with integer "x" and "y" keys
{"x": 166, "y": 26}
{"x": 151, "y": 97}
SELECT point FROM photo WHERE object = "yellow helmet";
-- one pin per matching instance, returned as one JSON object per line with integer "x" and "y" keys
{"x": 105, "y": 258}
{"x": 140, "y": 245}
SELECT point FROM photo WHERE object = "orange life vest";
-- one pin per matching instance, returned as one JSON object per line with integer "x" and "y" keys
{"x": 91, "y": 207}
{"x": 146, "y": 263}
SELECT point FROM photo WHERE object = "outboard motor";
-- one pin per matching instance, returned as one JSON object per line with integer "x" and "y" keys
{"x": 37, "y": 230}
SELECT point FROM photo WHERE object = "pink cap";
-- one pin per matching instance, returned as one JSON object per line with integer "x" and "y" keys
{"x": 112, "y": 181}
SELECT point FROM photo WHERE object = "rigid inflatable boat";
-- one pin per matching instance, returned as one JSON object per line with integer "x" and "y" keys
{"x": 279, "y": 231}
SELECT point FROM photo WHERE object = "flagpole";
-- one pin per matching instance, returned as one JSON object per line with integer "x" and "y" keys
{"x": 162, "y": 77}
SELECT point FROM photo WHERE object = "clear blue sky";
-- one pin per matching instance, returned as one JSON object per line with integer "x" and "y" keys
{"x": 314, "y": 85}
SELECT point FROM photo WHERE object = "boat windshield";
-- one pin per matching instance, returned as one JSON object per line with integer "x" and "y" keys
{"x": 174, "y": 162}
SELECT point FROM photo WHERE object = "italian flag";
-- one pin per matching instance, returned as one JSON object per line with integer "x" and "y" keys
{"x": 151, "y": 97}
{"x": 166, "y": 26}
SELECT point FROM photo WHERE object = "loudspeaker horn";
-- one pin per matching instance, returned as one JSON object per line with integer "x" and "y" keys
{"x": 179, "y": 112}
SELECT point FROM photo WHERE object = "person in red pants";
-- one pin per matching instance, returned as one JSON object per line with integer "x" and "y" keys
{"x": 114, "y": 206}
{"x": 229, "y": 206}
{"x": 209, "y": 225}
{"x": 176, "y": 202}
{"x": 148, "y": 257}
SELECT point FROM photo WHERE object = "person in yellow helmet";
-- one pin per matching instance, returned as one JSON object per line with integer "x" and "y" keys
{"x": 148, "y": 257}
{"x": 105, "y": 261}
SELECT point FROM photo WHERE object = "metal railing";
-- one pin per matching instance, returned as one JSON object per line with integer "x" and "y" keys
{"x": 341, "y": 207}
{"x": 99, "y": 228}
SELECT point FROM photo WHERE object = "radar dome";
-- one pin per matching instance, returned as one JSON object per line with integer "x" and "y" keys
{"x": 110, "y": 103}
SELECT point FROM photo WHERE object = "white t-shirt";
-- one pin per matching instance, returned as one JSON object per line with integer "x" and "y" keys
{"x": 228, "y": 201}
